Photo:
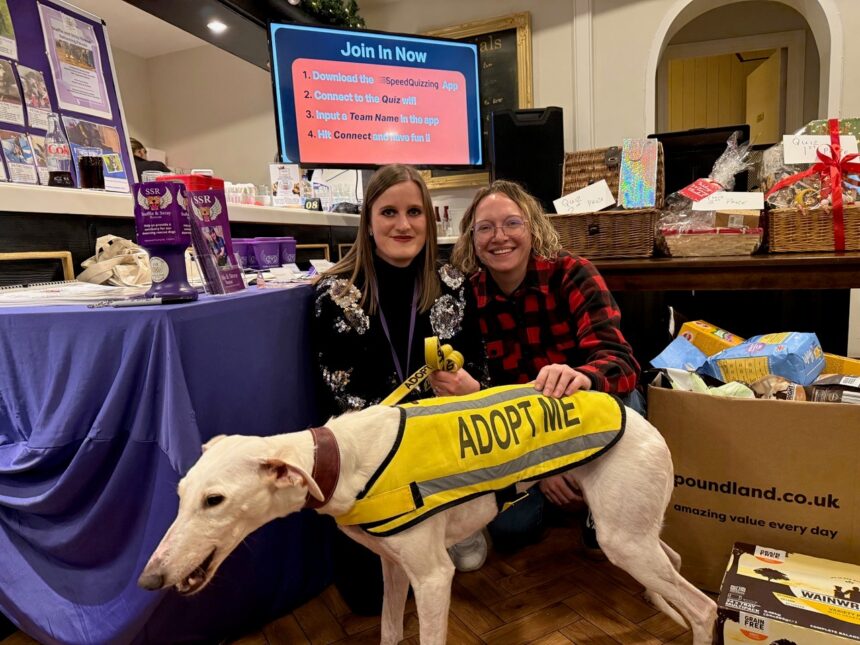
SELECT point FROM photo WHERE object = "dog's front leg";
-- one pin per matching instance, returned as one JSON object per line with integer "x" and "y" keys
{"x": 393, "y": 602}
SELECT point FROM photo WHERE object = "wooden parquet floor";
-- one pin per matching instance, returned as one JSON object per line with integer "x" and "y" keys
{"x": 547, "y": 594}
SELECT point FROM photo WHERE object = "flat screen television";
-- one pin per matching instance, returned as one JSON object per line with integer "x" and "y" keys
{"x": 358, "y": 99}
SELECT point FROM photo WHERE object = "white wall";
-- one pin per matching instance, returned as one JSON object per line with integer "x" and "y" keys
{"x": 552, "y": 53}
{"x": 214, "y": 110}
{"x": 204, "y": 107}
{"x": 552, "y": 33}
{"x": 133, "y": 77}
{"x": 759, "y": 17}
{"x": 850, "y": 10}
{"x": 634, "y": 22}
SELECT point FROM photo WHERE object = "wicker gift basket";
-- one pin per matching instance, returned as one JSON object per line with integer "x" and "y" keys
{"x": 710, "y": 242}
{"x": 795, "y": 229}
{"x": 609, "y": 233}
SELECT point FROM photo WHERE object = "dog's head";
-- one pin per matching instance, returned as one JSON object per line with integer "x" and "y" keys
{"x": 234, "y": 488}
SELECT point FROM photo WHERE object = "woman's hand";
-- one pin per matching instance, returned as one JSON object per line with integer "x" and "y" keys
{"x": 561, "y": 489}
{"x": 453, "y": 383}
{"x": 559, "y": 380}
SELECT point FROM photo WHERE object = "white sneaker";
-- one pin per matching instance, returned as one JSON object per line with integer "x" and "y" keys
{"x": 470, "y": 554}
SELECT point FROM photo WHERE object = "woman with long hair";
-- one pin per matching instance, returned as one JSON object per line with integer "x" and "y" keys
{"x": 372, "y": 312}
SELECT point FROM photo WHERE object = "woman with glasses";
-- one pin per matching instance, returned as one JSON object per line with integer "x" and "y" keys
{"x": 373, "y": 310}
{"x": 545, "y": 316}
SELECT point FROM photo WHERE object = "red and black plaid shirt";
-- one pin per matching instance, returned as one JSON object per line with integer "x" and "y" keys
{"x": 561, "y": 313}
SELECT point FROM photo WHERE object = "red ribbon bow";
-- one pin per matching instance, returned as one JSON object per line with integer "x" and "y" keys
{"x": 831, "y": 169}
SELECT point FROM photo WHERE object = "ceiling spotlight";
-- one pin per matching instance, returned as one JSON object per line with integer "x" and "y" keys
{"x": 217, "y": 26}
{"x": 294, "y": 2}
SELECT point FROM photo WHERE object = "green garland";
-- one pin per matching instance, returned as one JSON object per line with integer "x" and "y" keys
{"x": 333, "y": 12}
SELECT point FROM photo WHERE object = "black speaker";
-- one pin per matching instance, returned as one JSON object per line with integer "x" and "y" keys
{"x": 527, "y": 146}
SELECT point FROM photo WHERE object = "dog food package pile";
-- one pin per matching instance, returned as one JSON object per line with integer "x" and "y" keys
{"x": 782, "y": 362}
{"x": 711, "y": 339}
{"x": 795, "y": 356}
{"x": 773, "y": 596}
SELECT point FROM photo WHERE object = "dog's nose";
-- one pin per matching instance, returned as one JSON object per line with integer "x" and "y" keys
{"x": 151, "y": 581}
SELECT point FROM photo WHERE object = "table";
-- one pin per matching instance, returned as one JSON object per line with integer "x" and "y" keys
{"x": 747, "y": 295}
{"x": 774, "y": 271}
{"x": 101, "y": 413}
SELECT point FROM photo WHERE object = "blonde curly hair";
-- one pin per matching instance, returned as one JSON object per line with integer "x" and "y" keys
{"x": 545, "y": 242}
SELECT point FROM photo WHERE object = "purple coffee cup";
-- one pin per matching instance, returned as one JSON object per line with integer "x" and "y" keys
{"x": 288, "y": 250}
{"x": 252, "y": 257}
{"x": 267, "y": 253}
{"x": 240, "y": 250}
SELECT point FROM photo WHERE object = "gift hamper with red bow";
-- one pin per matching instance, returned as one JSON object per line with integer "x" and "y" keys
{"x": 813, "y": 206}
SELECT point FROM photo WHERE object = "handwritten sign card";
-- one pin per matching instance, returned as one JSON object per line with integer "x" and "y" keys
{"x": 586, "y": 200}
{"x": 803, "y": 148}
{"x": 729, "y": 201}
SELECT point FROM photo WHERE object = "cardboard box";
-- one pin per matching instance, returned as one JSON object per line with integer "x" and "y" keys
{"x": 737, "y": 219}
{"x": 707, "y": 337}
{"x": 769, "y": 594}
{"x": 834, "y": 364}
{"x": 782, "y": 473}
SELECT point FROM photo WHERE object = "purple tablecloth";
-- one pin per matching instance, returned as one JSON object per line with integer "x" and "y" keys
{"x": 101, "y": 413}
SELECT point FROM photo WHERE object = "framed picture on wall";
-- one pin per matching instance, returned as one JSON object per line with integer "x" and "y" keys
{"x": 505, "y": 71}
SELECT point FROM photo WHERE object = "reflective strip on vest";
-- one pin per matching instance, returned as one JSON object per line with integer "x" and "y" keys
{"x": 452, "y": 449}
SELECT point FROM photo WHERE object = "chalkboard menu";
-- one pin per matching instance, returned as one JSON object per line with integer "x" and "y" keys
{"x": 504, "y": 69}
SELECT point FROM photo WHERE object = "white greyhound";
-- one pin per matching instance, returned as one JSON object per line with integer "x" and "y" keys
{"x": 241, "y": 483}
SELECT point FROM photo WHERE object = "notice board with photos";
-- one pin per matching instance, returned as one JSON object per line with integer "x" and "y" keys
{"x": 56, "y": 58}
{"x": 505, "y": 81}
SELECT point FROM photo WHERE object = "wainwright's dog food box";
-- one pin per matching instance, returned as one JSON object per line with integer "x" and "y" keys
{"x": 773, "y": 596}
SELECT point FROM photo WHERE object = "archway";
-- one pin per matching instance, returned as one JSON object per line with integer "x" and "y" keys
{"x": 824, "y": 21}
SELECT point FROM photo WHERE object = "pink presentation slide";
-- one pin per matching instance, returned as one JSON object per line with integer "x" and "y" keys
{"x": 369, "y": 114}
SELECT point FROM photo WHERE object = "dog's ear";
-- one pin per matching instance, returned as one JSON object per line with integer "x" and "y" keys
{"x": 213, "y": 441}
{"x": 282, "y": 474}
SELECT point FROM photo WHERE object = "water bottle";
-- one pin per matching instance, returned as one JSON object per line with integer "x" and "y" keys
{"x": 58, "y": 156}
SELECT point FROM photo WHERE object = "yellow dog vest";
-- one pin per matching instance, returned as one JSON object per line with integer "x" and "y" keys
{"x": 449, "y": 450}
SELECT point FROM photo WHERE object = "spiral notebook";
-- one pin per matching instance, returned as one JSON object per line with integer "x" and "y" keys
{"x": 64, "y": 292}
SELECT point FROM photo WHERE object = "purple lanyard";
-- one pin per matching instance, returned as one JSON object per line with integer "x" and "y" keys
{"x": 397, "y": 366}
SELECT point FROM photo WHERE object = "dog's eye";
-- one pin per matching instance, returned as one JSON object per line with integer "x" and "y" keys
{"x": 213, "y": 500}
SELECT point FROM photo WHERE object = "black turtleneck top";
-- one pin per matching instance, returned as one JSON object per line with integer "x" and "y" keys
{"x": 396, "y": 290}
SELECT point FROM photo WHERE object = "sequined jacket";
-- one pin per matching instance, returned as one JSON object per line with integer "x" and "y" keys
{"x": 353, "y": 353}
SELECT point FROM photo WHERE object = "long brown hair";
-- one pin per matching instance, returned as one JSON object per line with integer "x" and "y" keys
{"x": 545, "y": 242}
{"x": 357, "y": 264}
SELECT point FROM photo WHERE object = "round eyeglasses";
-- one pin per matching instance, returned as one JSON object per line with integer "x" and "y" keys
{"x": 512, "y": 227}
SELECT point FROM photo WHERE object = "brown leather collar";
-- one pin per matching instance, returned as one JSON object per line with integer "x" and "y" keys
{"x": 326, "y": 471}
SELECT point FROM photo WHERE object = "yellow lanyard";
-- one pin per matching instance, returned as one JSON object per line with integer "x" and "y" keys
{"x": 437, "y": 357}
